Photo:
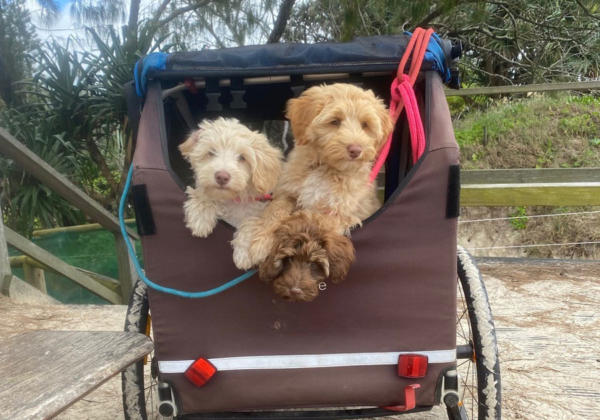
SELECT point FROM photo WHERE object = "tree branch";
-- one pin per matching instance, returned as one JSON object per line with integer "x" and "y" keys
{"x": 285, "y": 10}
{"x": 158, "y": 13}
{"x": 437, "y": 12}
{"x": 586, "y": 10}
{"x": 209, "y": 27}
{"x": 181, "y": 11}
{"x": 101, "y": 162}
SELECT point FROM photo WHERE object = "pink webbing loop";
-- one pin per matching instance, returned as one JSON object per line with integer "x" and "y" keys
{"x": 413, "y": 115}
{"x": 403, "y": 96}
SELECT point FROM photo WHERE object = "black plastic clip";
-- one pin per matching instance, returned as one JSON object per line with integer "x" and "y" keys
{"x": 237, "y": 94}
{"x": 213, "y": 93}
{"x": 297, "y": 84}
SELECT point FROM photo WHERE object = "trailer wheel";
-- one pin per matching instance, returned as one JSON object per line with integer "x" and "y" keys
{"x": 138, "y": 381}
{"x": 477, "y": 351}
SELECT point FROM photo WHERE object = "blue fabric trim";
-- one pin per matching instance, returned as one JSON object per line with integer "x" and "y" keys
{"x": 435, "y": 55}
{"x": 153, "y": 61}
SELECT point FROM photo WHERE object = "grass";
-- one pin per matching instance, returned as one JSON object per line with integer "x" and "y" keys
{"x": 537, "y": 132}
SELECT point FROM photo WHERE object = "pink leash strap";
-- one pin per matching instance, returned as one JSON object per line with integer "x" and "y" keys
{"x": 403, "y": 96}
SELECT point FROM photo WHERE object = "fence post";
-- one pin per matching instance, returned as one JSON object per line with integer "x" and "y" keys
{"x": 5, "y": 271}
{"x": 127, "y": 274}
{"x": 35, "y": 276}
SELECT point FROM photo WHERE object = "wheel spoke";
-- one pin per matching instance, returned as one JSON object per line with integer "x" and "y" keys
{"x": 464, "y": 334}
{"x": 464, "y": 382}
{"x": 466, "y": 361}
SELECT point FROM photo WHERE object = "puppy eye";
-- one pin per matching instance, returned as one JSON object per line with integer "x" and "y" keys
{"x": 242, "y": 158}
{"x": 364, "y": 125}
{"x": 211, "y": 153}
{"x": 335, "y": 122}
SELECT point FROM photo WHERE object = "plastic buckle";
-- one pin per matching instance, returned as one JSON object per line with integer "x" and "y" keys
{"x": 409, "y": 399}
{"x": 213, "y": 93}
{"x": 237, "y": 94}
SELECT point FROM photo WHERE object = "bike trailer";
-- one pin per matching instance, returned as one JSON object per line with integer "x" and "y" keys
{"x": 381, "y": 338}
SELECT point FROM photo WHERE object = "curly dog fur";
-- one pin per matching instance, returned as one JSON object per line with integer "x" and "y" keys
{"x": 232, "y": 166}
{"x": 338, "y": 130}
{"x": 306, "y": 252}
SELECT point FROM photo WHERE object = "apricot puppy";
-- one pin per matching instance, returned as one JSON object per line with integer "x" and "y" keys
{"x": 339, "y": 130}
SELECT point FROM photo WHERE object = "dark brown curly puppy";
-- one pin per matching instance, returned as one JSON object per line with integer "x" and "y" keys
{"x": 306, "y": 252}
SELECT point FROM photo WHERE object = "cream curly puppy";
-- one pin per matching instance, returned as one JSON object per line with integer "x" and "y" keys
{"x": 234, "y": 168}
{"x": 339, "y": 130}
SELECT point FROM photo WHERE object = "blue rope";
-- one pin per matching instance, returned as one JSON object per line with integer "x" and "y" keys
{"x": 150, "y": 283}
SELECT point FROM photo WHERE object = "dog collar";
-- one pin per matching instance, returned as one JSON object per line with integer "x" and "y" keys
{"x": 262, "y": 198}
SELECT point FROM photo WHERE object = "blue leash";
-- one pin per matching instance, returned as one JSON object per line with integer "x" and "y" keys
{"x": 150, "y": 283}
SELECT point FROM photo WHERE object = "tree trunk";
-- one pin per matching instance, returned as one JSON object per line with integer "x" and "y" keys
{"x": 132, "y": 24}
{"x": 285, "y": 10}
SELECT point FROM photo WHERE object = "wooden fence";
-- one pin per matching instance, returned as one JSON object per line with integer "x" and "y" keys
{"x": 96, "y": 283}
{"x": 530, "y": 187}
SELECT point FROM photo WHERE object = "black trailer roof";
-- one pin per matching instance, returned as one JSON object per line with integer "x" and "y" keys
{"x": 365, "y": 54}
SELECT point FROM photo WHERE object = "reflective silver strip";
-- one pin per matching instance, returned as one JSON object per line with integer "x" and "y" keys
{"x": 303, "y": 361}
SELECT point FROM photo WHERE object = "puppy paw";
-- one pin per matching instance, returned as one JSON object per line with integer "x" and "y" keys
{"x": 241, "y": 258}
{"x": 260, "y": 248}
{"x": 241, "y": 243}
{"x": 200, "y": 217}
{"x": 201, "y": 229}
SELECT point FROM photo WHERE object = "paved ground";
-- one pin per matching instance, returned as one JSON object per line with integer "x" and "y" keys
{"x": 547, "y": 321}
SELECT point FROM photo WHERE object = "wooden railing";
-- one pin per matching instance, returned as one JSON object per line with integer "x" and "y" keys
{"x": 512, "y": 89}
{"x": 33, "y": 165}
{"x": 530, "y": 187}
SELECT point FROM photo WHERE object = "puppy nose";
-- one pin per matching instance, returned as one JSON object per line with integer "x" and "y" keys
{"x": 222, "y": 177}
{"x": 354, "y": 151}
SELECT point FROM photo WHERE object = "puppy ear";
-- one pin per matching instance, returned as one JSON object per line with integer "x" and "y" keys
{"x": 187, "y": 146}
{"x": 301, "y": 111}
{"x": 323, "y": 262}
{"x": 340, "y": 252}
{"x": 266, "y": 165}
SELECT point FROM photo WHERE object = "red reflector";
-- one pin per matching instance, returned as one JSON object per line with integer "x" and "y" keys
{"x": 412, "y": 365}
{"x": 200, "y": 372}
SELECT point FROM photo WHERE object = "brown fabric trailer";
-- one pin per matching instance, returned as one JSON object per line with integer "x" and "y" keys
{"x": 342, "y": 348}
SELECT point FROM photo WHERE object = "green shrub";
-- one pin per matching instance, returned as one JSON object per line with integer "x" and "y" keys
{"x": 521, "y": 220}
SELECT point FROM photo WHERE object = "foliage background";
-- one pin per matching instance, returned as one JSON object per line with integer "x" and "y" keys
{"x": 62, "y": 97}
